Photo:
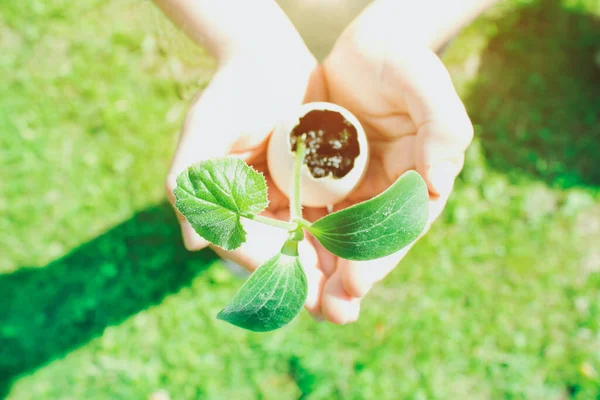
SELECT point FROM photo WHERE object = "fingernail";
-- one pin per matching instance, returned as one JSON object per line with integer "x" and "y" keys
{"x": 441, "y": 177}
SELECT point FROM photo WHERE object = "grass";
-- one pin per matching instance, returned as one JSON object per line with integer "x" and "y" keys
{"x": 100, "y": 300}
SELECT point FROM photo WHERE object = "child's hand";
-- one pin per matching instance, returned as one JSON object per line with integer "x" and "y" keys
{"x": 411, "y": 114}
{"x": 235, "y": 115}
{"x": 403, "y": 96}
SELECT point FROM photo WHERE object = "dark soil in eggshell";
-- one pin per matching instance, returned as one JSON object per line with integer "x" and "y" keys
{"x": 331, "y": 143}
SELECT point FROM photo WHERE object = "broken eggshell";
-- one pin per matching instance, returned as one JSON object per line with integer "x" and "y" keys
{"x": 336, "y": 156}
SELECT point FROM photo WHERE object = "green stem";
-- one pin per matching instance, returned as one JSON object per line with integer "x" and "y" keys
{"x": 296, "y": 204}
{"x": 290, "y": 248}
{"x": 292, "y": 226}
{"x": 302, "y": 222}
{"x": 289, "y": 226}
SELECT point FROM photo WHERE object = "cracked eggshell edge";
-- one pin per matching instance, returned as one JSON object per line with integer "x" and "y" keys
{"x": 315, "y": 192}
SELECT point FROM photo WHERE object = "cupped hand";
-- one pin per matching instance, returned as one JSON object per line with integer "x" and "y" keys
{"x": 405, "y": 100}
{"x": 411, "y": 113}
{"x": 234, "y": 116}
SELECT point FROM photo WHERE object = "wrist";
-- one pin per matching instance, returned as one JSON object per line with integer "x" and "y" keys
{"x": 429, "y": 23}
{"x": 227, "y": 28}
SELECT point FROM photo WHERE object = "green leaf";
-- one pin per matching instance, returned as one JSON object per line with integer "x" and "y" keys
{"x": 377, "y": 227}
{"x": 214, "y": 194}
{"x": 273, "y": 295}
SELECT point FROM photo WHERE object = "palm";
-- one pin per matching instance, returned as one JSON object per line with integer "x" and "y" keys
{"x": 397, "y": 103}
{"x": 391, "y": 149}
{"x": 361, "y": 87}
{"x": 391, "y": 137}
{"x": 409, "y": 126}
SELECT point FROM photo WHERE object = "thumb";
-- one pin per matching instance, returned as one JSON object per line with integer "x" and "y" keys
{"x": 191, "y": 240}
{"x": 350, "y": 282}
{"x": 439, "y": 157}
{"x": 444, "y": 130}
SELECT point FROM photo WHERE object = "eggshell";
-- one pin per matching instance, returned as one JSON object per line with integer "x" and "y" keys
{"x": 315, "y": 192}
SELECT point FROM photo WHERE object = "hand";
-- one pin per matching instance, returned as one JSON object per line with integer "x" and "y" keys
{"x": 403, "y": 96}
{"x": 234, "y": 116}
{"x": 410, "y": 112}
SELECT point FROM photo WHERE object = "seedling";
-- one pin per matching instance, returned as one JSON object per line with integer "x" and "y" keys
{"x": 214, "y": 195}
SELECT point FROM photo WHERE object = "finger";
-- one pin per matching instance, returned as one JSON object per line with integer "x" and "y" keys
{"x": 222, "y": 120}
{"x": 438, "y": 202}
{"x": 393, "y": 159}
{"x": 388, "y": 161}
{"x": 436, "y": 159}
{"x": 191, "y": 240}
{"x": 311, "y": 263}
{"x": 352, "y": 280}
{"x": 327, "y": 260}
{"x": 444, "y": 130}
{"x": 359, "y": 277}
{"x": 337, "y": 305}
{"x": 264, "y": 242}
{"x": 388, "y": 126}
{"x": 316, "y": 89}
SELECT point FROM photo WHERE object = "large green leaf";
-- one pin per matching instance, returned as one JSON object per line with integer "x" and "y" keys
{"x": 377, "y": 227}
{"x": 214, "y": 194}
{"x": 273, "y": 295}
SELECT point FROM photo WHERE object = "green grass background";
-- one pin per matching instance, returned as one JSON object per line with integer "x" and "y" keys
{"x": 99, "y": 299}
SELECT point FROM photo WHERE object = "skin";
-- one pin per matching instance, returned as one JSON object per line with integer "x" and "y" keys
{"x": 398, "y": 89}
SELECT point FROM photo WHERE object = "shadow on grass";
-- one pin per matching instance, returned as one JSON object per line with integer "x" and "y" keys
{"x": 537, "y": 95}
{"x": 46, "y": 312}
